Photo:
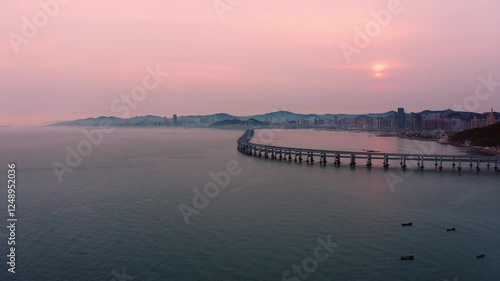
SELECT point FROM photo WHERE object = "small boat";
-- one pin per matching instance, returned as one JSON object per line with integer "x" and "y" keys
{"x": 481, "y": 256}
{"x": 406, "y": 258}
{"x": 407, "y": 224}
{"x": 450, "y": 229}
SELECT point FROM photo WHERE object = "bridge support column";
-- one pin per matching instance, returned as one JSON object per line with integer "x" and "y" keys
{"x": 478, "y": 168}
{"x": 312, "y": 157}
{"x": 322, "y": 158}
{"x": 488, "y": 165}
{"x": 441, "y": 163}
{"x": 459, "y": 163}
{"x": 289, "y": 155}
{"x": 281, "y": 155}
{"x": 369, "y": 161}
{"x": 453, "y": 165}
{"x": 436, "y": 162}
{"x": 300, "y": 156}
{"x": 422, "y": 163}
{"x": 386, "y": 161}
{"x": 266, "y": 155}
{"x": 353, "y": 160}
{"x": 404, "y": 162}
{"x": 470, "y": 165}
{"x": 337, "y": 159}
{"x": 497, "y": 164}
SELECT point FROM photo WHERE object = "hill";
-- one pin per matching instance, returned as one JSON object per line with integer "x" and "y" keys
{"x": 486, "y": 136}
{"x": 236, "y": 122}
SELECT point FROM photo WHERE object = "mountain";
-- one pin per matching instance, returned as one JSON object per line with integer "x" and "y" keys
{"x": 486, "y": 136}
{"x": 236, "y": 122}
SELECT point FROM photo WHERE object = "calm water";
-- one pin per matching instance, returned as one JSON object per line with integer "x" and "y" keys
{"x": 119, "y": 210}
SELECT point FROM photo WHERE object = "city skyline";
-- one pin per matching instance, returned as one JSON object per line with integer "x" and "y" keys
{"x": 249, "y": 58}
{"x": 395, "y": 120}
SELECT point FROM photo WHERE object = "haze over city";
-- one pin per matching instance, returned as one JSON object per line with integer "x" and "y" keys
{"x": 256, "y": 57}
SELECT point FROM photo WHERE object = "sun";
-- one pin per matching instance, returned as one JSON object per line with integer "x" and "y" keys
{"x": 378, "y": 69}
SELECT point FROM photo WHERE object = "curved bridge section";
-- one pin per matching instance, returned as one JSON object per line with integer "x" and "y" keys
{"x": 367, "y": 158}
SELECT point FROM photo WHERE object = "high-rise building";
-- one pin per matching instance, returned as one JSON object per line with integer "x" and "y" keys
{"x": 369, "y": 123}
{"x": 418, "y": 122}
{"x": 335, "y": 119}
{"x": 491, "y": 118}
{"x": 174, "y": 120}
{"x": 401, "y": 118}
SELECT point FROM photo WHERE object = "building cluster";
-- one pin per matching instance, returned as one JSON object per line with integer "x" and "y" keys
{"x": 397, "y": 121}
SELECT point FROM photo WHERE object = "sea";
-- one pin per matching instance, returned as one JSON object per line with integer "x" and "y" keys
{"x": 184, "y": 205}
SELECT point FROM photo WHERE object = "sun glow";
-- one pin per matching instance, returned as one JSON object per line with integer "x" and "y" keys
{"x": 378, "y": 70}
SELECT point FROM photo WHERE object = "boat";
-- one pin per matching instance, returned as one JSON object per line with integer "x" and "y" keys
{"x": 481, "y": 256}
{"x": 450, "y": 229}
{"x": 407, "y": 224}
{"x": 404, "y": 258}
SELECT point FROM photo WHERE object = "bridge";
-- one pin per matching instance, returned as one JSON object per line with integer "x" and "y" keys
{"x": 324, "y": 156}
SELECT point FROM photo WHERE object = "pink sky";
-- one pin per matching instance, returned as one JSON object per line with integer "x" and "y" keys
{"x": 264, "y": 56}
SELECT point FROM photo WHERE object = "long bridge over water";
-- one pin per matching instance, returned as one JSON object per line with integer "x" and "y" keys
{"x": 324, "y": 156}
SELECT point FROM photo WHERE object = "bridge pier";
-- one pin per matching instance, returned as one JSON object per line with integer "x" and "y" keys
{"x": 266, "y": 155}
{"x": 440, "y": 162}
{"x": 312, "y": 157}
{"x": 386, "y": 160}
{"x": 322, "y": 158}
{"x": 478, "y": 168}
{"x": 497, "y": 164}
{"x": 353, "y": 160}
{"x": 422, "y": 163}
{"x": 337, "y": 159}
{"x": 404, "y": 162}
{"x": 281, "y": 155}
{"x": 300, "y": 156}
{"x": 459, "y": 163}
{"x": 369, "y": 161}
{"x": 290, "y": 155}
{"x": 470, "y": 165}
{"x": 436, "y": 162}
{"x": 453, "y": 165}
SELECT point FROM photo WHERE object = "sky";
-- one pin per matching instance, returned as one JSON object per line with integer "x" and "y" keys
{"x": 70, "y": 59}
